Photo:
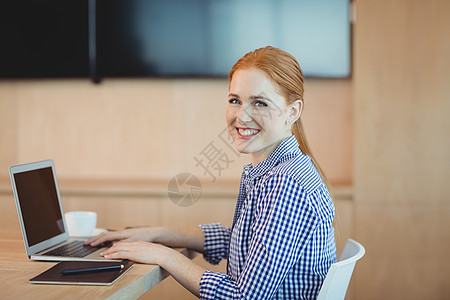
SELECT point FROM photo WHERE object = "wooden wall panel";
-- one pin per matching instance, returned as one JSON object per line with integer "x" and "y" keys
{"x": 328, "y": 122}
{"x": 402, "y": 100}
{"x": 407, "y": 249}
{"x": 9, "y": 218}
{"x": 150, "y": 129}
{"x": 120, "y": 212}
{"x": 402, "y": 161}
{"x": 8, "y": 126}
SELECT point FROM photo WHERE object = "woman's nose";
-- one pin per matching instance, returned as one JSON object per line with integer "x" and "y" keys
{"x": 244, "y": 114}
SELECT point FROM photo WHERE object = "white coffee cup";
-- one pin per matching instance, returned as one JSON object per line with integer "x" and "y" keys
{"x": 81, "y": 223}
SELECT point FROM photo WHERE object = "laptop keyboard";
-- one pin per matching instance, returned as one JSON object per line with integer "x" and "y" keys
{"x": 74, "y": 249}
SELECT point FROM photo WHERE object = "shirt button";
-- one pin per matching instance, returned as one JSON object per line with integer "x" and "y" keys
{"x": 246, "y": 172}
{"x": 247, "y": 186}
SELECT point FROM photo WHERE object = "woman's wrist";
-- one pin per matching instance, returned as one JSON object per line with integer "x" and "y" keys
{"x": 156, "y": 234}
{"x": 167, "y": 257}
{"x": 192, "y": 238}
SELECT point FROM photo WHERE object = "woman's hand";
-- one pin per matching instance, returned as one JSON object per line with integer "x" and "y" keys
{"x": 139, "y": 251}
{"x": 127, "y": 235}
{"x": 180, "y": 267}
{"x": 132, "y": 247}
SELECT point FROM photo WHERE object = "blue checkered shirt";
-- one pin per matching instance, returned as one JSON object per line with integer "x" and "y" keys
{"x": 281, "y": 243}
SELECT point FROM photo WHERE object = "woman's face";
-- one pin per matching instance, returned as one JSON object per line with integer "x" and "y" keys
{"x": 257, "y": 115}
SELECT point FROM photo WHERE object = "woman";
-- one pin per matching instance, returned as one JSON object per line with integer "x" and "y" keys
{"x": 281, "y": 243}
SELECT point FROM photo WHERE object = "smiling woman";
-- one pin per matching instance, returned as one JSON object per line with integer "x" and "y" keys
{"x": 281, "y": 243}
{"x": 286, "y": 77}
{"x": 258, "y": 117}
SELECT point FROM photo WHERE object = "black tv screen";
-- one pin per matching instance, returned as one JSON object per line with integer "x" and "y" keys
{"x": 205, "y": 37}
{"x": 168, "y": 38}
{"x": 44, "y": 39}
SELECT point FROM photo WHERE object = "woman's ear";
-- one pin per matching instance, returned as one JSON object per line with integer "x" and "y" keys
{"x": 296, "y": 111}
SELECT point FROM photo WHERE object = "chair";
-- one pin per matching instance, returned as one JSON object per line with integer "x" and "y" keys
{"x": 338, "y": 277}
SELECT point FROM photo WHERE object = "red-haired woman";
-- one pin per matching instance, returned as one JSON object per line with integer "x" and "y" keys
{"x": 281, "y": 243}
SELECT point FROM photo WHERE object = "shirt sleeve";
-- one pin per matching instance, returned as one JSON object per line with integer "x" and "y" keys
{"x": 217, "y": 240}
{"x": 285, "y": 222}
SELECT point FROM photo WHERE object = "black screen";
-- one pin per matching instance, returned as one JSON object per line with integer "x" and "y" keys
{"x": 149, "y": 38}
{"x": 39, "y": 205}
{"x": 44, "y": 38}
{"x": 168, "y": 38}
{"x": 195, "y": 38}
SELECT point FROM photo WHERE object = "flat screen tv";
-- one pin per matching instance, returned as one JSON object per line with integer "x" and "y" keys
{"x": 43, "y": 39}
{"x": 168, "y": 38}
{"x": 205, "y": 37}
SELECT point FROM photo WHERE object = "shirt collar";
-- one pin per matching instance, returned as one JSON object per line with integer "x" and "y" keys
{"x": 288, "y": 146}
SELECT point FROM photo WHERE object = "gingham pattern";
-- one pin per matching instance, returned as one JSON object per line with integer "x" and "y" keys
{"x": 281, "y": 244}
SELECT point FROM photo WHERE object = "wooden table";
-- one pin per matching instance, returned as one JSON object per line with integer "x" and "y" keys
{"x": 16, "y": 269}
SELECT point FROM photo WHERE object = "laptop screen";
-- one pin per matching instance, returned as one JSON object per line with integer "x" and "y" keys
{"x": 39, "y": 205}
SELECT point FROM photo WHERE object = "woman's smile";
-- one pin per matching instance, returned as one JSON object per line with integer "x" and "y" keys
{"x": 246, "y": 133}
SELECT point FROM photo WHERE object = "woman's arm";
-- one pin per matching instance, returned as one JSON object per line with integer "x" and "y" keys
{"x": 188, "y": 237}
{"x": 180, "y": 267}
{"x": 212, "y": 239}
{"x": 192, "y": 238}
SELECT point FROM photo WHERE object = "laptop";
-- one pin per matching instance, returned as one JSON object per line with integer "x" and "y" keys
{"x": 41, "y": 215}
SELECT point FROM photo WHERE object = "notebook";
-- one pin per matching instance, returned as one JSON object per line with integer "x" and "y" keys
{"x": 108, "y": 277}
{"x": 41, "y": 215}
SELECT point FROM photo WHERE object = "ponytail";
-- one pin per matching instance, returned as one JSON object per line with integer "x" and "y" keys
{"x": 297, "y": 130}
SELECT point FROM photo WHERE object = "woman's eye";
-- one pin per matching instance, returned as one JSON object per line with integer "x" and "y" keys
{"x": 234, "y": 101}
{"x": 260, "y": 104}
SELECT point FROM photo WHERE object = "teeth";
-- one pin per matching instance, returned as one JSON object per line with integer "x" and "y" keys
{"x": 247, "y": 132}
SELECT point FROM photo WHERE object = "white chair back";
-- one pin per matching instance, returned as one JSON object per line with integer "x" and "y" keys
{"x": 336, "y": 282}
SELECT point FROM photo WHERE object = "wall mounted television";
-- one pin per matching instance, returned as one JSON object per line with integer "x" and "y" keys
{"x": 168, "y": 38}
{"x": 43, "y": 39}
